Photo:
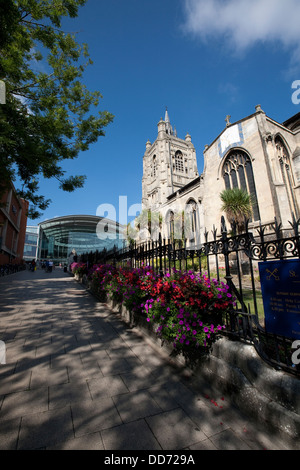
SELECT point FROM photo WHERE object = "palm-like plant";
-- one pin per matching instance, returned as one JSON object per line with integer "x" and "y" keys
{"x": 237, "y": 205}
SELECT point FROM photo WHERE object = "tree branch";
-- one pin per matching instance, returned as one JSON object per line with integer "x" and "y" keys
{"x": 30, "y": 85}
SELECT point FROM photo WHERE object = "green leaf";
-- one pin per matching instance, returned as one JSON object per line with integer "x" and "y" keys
{"x": 50, "y": 115}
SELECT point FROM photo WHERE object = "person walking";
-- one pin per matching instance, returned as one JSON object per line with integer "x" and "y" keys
{"x": 50, "y": 266}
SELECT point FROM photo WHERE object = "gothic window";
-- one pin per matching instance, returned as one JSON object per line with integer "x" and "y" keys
{"x": 179, "y": 161}
{"x": 154, "y": 167}
{"x": 296, "y": 161}
{"x": 238, "y": 173}
{"x": 191, "y": 218}
{"x": 286, "y": 172}
{"x": 171, "y": 226}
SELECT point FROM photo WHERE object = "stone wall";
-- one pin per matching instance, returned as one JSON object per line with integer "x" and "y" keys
{"x": 269, "y": 396}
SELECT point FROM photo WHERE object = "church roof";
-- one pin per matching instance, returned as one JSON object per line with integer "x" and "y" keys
{"x": 293, "y": 122}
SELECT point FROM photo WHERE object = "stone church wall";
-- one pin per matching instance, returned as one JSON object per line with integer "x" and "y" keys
{"x": 167, "y": 190}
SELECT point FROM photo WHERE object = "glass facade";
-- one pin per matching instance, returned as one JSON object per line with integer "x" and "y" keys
{"x": 62, "y": 238}
{"x": 31, "y": 243}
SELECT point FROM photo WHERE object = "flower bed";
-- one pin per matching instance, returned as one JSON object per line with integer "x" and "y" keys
{"x": 79, "y": 268}
{"x": 184, "y": 308}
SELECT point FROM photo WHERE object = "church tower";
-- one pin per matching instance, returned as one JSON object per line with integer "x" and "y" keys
{"x": 168, "y": 165}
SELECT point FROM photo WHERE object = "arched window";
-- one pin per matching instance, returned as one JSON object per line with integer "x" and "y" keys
{"x": 154, "y": 167}
{"x": 191, "y": 219}
{"x": 238, "y": 173}
{"x": 171, "y": 226}
{"x": 179, "y": 161}
{"x": 287, "y": 174}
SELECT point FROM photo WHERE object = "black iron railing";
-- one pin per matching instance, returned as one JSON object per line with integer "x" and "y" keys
{"x": 233, "y": 258}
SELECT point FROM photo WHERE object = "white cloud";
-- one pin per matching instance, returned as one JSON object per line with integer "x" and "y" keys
{"x": 244, "y": 23}
{"x": 230, "y": 90}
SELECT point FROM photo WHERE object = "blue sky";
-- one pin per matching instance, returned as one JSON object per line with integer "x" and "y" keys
{"x": 203, "y": 59}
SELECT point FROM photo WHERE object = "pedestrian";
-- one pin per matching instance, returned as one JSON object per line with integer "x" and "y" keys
{"x": 50, "y": 266}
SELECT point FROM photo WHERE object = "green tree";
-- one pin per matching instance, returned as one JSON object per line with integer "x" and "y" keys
{"x": 146, "y": 224}
{"x": 237, "y": 205}
{"x": 50, "y": 115}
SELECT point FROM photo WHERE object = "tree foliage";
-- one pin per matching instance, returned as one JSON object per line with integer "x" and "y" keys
{"x": 237, "y": 205}
{"x": 48, "y": 115}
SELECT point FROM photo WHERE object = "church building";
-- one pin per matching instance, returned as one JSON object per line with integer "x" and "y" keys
{"x": 255, "y": 153}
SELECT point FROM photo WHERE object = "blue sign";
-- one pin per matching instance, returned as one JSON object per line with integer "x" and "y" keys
{"x": 280, "y": 287}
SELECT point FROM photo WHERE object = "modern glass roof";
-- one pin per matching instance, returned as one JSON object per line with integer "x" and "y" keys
{"x": 81, "y": 233}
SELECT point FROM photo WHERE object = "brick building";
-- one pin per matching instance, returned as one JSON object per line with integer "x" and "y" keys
{"x": 13, "y": 221}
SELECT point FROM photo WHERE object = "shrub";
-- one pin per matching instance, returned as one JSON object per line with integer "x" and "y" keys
{"x": 185, "y": 308}
{"x": 79, "y": 268}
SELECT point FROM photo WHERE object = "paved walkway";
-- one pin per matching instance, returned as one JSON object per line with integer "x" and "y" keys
{"x": 76, "y": 377}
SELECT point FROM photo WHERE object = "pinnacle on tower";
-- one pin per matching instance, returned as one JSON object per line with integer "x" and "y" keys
{"x": 169, "y": 129}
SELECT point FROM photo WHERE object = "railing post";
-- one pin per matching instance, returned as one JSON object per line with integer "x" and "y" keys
{"x": 161, "y": 273}
{"x": 295, "y": 224}
{"x": 228, "y": 276}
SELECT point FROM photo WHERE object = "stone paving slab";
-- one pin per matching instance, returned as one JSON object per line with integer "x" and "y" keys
{"x": 77, "y": 378}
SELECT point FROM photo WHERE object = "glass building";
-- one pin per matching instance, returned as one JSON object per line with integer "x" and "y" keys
{"x": 62, "y": 238}
{"x": 31, "y": 243}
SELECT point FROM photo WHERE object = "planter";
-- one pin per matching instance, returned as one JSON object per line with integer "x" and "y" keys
{"x": 234, "y": 369}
